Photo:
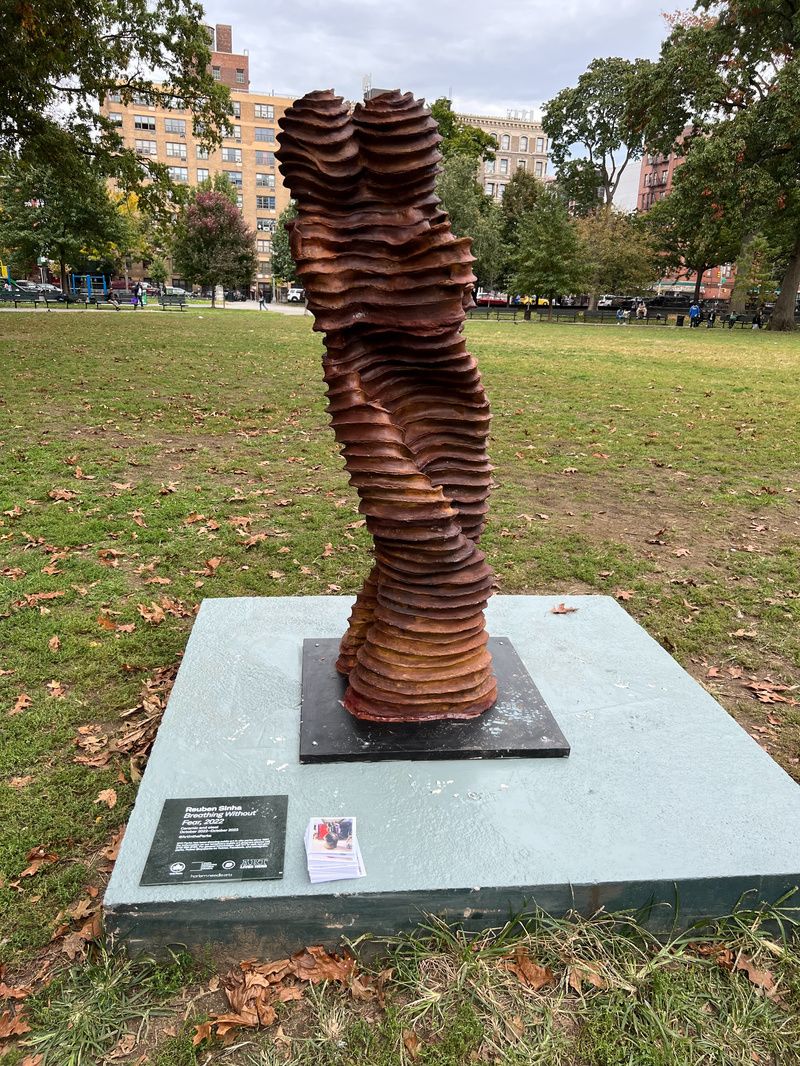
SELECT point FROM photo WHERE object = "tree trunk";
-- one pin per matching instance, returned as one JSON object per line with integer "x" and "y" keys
{"x": 213, "y": 295}
{"x": 744, "y": 265}
{"x": 593, "y": 298}
{"x": 62, "y": 267}
{"x": 699, "y": 283}
{"x": 783, "y": 315}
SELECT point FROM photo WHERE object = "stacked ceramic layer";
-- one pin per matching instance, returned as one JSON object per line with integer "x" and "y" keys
{"x": 387, "y": 283}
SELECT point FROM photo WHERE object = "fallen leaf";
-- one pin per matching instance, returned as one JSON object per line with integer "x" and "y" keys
{"x": 257, "y": 538}
{"x": 20, "y": 992}
{"x": 328, "y": 551}
{"x": 37, "y": 858}
{"x": 105, "y": 622}
{"x": 681, "y": 552}
{"x": 23, "y": 702}
{"x": 763, "y": 979}
{"x": 276, "y": 575}
{"x": 33, "y": 599}
{"x": 165, "y": 490}
{"x": 107, "y": 796}
{"x": 32, "y": 1060}
{"x": 14, "y": 573}
{"x": 79, "y": 474}
{"x": 110, "y": 556}
{"x": 20, "y": 782}
{"x": 201, "y": 1032}
{"x": 54, "y": 643}
{"x": 528, "y": 972}
{"x": 12, "y": 1025}
{"x": 138, "y": 517}
{"x": 411, "y": 1042}
{"x": 56, "y": 690}
{"x": 123, "y": 1047}
{"x": 562, "y": 608}
{"x": 193, "y": 517}
{"x": 158, "y": 581}
{"x": 576, "y": 975}
{"x": 152, "y": 614}
{"x": 624, "y": 594}
{"x": 62, "y": 494}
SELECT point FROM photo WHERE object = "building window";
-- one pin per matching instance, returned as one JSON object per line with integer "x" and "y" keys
{"x": 115, "y": 96}
{"x": 540, "y": 144}
{"x": 505, "y": 142}
{"x": 217, "y": 73}
{"x": 265, "y": 181}
{"x": 239, "y": 76}
{"x": 144, "y": 122}
{"x": 234, "y": 177}
{"x": 115, "y": 117}
{"x": 235, "y": 132}
{"x": 202, "y": 153}
{"x": 265, "y": 225}
{"x": 504, "y": 166}
{"x": 501, "y": 191}
{"x": 231, "y": 155}
{"x": 520, "y": 164}
{"x": 663, "y": 177}
{"x": 265, "y": 159}
{"x": 180, "y": 174}
{"x": 202, "y": 174}
{"x": 263, "y": 266}
{"x": 174, "y": 103}
{"x": 175, "y": 125}
{"x": 265, "y": 203}
{"x": 145, "y": 147}
{"x": 264, "y": 246}
{"x": 490, "y": 188}
{"x": 539, "y": 168}
{"x": 523, "y": 144}
{"x": 264, "y": 133}
{"x": 489, "y": 168}
{"x": 264, "y": 111}
{"x": 176, "y": 150}
{"x": 236, "y": 109}
{"x": 142, "y": 100}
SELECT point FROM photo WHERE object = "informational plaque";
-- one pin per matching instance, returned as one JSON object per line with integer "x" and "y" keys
{"x": 227, "y": 838}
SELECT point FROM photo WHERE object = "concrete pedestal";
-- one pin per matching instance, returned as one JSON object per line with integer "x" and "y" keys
{"x": 664, "y": 799}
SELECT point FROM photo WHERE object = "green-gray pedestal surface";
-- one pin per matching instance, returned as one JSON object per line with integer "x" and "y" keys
{"x": 663, "y": 800}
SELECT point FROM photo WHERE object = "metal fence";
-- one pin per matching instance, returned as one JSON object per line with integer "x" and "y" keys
{"x": 581, "y": 316}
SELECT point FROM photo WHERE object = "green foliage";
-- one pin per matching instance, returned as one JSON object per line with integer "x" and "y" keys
{"x": 550, "y": 258}
{"x": 473, "y": 214}
{"x": 601, "y": 116}
{"x": 283, "y": 266}
{"x": 61, "y": 211}
{"x": 758, "y": 270}
{"x": 158, "y": 270}
{"x": 220, "y": 183}
{"x": 702, "y": 222}
{"x": 61, "y": 61}
{"x": 459, "y": 138}
{"x": 620, "y": 254}
{"x": 213, "y": 245}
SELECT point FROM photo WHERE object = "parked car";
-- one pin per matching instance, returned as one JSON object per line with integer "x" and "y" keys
{"x": 295, "y": 295}
{"x": 233, "y": 296}
{"x": 487, "y": 298}
{"x": 670, "y": 303}
{"x": 175, "y": 290}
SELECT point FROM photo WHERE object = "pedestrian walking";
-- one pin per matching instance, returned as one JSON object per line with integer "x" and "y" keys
{"x": 620, "y": 316}
{"x": 758, "y": 320}
{"x": 136, "y": 293}
{"x": 712, "y": 318}
{"x": 694, "y": 316}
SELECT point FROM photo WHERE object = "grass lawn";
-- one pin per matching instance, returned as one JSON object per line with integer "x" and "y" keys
{"x": 148, "y": 461}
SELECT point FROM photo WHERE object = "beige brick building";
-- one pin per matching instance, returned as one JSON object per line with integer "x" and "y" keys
{"x": 521, "y": 145}
{"x": 247, "y": 156}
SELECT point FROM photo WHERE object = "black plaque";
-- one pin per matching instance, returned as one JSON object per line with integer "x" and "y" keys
{"x": 225, "y": 838}
{"x": 520, "y": 725}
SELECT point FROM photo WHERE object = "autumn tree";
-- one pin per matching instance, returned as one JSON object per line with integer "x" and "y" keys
{"x": 550, "y": 259}
{"x": 63, "y": 212}
{"x": 474, "y": 214}
{"x": 620, "y": 256}
{"x": 61, "y": 61}
{"x": 595, "y": 129}
{"x": 730, "y": 74}
{"x": 459, "y": 138}
{"x": 213, "y": 245}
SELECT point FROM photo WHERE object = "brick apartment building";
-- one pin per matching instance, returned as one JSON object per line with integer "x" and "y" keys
{"x": 655, "y": 182}
{"x": 521, "y": 145}
{"x": 247, "y": 156}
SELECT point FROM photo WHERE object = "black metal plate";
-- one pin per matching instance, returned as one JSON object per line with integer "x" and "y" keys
{"x": 225, "y": 838}
{"x": 520, "y": 725}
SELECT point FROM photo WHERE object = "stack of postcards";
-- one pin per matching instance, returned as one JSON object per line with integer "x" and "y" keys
{"x": 332, "y": 850}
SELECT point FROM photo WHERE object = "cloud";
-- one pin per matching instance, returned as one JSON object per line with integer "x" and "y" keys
{"x": 489, "y": 56}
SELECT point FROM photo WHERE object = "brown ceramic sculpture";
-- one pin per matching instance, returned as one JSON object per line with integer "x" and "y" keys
{"x": 387, "y": 283}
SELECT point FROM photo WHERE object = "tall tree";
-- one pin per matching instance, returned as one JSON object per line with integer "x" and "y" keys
{"x": 459, "y": 138}
{"x": 620, "y": 254}
{"x": 213, "y": 245}
{"x": 595, "y": 129}
{"x": 283, "y": 266}
{"x": 61, "y": 212}
{"x": 550, "y": 259}
{"x": 731, "y": 73}
{"x": 473, "y": 214}
{"x": 60, "y": 62}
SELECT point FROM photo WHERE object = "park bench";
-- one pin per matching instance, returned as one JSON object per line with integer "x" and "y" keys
{"x": 16, "y": 297}
{"x": 168, "y": 300}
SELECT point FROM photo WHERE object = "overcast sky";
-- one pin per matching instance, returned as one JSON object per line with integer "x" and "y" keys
{"x": 489, "y": 56}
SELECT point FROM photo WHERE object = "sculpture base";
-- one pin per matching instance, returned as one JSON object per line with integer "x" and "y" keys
{"x": 519, "y": 725}
{"x": 664, "y": 803}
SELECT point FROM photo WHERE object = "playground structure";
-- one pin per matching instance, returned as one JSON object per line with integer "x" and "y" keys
{"x": 89, "y": 286}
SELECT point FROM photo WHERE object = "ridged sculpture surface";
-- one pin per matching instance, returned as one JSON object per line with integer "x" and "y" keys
{"x": 387, "y": 283}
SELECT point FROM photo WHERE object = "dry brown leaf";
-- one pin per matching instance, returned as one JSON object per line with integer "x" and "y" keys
{"x": 123, "y": 1047}
{"x": 158, "y": 581}
{"x": 20, "y": 782}
{"x": 14, "y": 573}
{"x": 562, "y": 608}
{"x": 111, "y": 850}
{"x": 107, "y": 796}
{"x": 528, "y": 972}
{"x": 105, "y": 622}
{"x": 56, "y": 690}
{"x": 328, "y": 551}
{"x": 33, "y": 599}
{"x": 110, "y": 556}
{"x": 37, "y": 858}
{"x": 193, "y": 517}
{"x": 32, "y": 1060}
{"x": 624, "y": 594}
{"x": 152, "y": 614}
{"x": 276, "y": 575}
{"x": 762, "y": 979}
{"x": 54, "y": 643}
{"x": 62, "y": 494}
{"x": 22, "y": 703}
{"x": 12, "y": 1025}
{"x": 20, "y": 992}
{"x": 681, "y": 552}
{"x": 201, "y": 1032}
{"x": 412, "y": 1043}
{"x": 165, "y": 490}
